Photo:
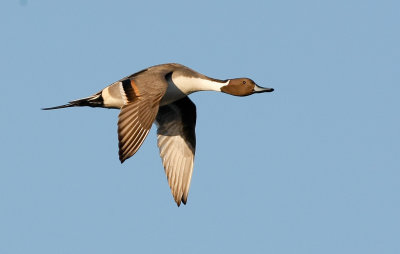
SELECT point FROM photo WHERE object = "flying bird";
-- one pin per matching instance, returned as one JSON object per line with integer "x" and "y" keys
{"x": 159, "y": 94}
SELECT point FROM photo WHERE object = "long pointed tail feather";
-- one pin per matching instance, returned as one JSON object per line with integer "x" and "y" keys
{"x": 61, "y": 106}
{"x": 95, "y": 100}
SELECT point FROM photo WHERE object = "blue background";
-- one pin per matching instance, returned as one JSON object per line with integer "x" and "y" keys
{"x": 311, "y": 168}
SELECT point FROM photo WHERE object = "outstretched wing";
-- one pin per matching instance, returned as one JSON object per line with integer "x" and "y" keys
{"x": 134, "y": 123}
{"x": 177, "y": 141}
{"x": 142, "y": 95}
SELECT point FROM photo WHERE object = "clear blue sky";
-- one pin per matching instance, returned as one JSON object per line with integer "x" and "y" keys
{"x": 312, "y": 168}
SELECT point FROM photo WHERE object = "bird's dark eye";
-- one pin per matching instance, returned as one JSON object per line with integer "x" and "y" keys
{"x": 244, "y": 82}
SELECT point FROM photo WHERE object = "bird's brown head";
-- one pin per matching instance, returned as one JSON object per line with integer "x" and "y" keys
{"x": 243, "y": 87}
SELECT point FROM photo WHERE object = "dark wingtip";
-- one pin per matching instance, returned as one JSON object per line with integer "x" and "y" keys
{"x": 122, "y": 156}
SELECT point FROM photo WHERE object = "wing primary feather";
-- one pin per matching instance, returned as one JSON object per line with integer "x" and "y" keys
{"x": 176, "y": 141}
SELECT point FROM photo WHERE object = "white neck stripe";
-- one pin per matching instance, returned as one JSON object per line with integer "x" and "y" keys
{"x": 189, "y": 85}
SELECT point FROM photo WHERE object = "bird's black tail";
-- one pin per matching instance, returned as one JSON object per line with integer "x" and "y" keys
{"x": 95, "y": 100}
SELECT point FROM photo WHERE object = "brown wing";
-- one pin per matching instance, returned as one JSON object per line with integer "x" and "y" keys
{"x": 142, "y": 93}
{"x": 177, "y": 142}
{"x": 134, "y": 123}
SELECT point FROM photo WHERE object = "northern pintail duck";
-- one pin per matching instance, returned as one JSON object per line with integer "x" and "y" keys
{"x": 159, "y": 94}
